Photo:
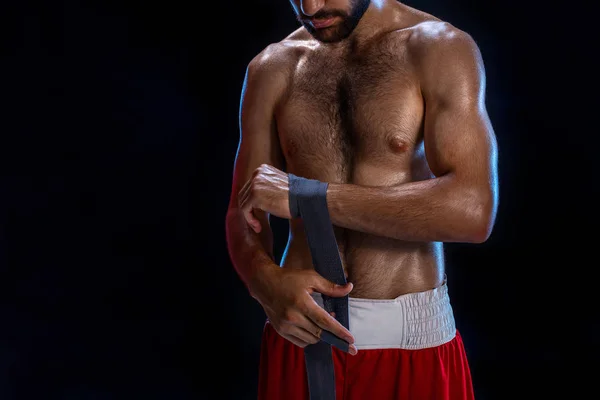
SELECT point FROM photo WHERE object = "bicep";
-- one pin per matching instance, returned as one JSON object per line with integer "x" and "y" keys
{"x": 259, "y": 142}
{"x": 459, "y": 138}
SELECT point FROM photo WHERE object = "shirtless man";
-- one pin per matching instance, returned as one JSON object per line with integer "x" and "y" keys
{"x": 386, "y": 104}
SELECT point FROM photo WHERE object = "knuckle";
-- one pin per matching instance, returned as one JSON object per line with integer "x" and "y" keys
{"x": 318, "y": 320}
{"x": 298, "y": 303}
{"x": 283, "y": 329}
{"x": 254, "y": 187}
{"x": 288, "y": 316}
{"x": 324, "y": 321}
{"x": 262, "y": 168}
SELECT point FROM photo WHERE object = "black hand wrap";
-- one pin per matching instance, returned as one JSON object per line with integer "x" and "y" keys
{"x": 307, "y": 198}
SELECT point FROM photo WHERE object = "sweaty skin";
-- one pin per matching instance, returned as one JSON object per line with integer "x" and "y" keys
{"x": 394, "y": 119}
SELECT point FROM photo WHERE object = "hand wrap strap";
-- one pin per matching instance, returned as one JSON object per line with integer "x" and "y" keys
{"x": 307, "y": 198}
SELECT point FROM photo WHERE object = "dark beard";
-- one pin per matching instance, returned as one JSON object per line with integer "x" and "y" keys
{"x": 340, "y": 31}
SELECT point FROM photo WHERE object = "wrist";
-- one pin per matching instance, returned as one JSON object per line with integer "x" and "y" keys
{"x": 332, "y": 199}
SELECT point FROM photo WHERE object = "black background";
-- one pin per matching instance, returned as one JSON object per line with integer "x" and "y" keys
{"x": 119, "y": 133}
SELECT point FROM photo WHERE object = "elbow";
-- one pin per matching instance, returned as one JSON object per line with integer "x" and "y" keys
{"x": 481, "y": 217}
{"x": 481, "y": 232}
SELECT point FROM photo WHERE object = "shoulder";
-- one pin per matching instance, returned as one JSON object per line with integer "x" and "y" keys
{"x": 448, "y": 61}
{"x": 429, "y": 40}
{"x": 439, "y": 44}
{"x": 280, "y": 58}
{"x": 268, "y": 74}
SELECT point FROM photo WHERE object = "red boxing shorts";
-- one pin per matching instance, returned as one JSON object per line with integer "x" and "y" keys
{"x": 408, "y": 349}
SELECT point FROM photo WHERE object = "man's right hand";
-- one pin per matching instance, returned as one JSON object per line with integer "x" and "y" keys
{"x": 285, "y": 295}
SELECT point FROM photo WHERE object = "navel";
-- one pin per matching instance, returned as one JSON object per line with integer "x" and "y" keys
{"x": 398, "y": 145}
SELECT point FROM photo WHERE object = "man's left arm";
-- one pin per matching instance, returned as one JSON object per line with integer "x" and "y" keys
{"x": 459, "y": 204}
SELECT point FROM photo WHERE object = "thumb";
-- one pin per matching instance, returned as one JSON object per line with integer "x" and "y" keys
{"x": 329, "y": 288}
{"x": 252, "y": 220}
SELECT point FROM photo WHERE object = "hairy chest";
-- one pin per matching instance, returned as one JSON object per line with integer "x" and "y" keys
{"x": 341, "y": 118}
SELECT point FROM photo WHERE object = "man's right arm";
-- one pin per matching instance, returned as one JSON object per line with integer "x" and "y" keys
{"x": 251, "y": 252}
{"x": 284, "y": 296}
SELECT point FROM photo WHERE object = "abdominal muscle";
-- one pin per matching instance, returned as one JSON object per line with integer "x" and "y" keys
{"x": 378, "y": 267}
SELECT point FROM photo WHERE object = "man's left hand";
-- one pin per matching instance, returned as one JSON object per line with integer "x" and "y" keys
{"x": 267, "y": 190}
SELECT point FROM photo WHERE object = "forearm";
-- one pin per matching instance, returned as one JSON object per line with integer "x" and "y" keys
{"x": 251, "y": 253}
{"x": 438, "y": 209}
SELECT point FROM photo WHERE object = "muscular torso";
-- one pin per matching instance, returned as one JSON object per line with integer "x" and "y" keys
{"x": 355, "y": 115}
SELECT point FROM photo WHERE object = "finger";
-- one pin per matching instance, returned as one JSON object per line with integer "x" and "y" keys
{"x": 252, "y": 220}
{"x": 243, "y": 193}
{"x": 323, "y": 320}
{"x": 329, "y": 288}
{"x": 248, "y": 211}
{"x": 341, "y": 344}
{"x": 314, "y": 333}
{"x": 245, "y": 204}
{"x": 296, "y": 340}
{"x": 303, "y": 334}
{"x": 318, "y": 333}
{"x": 306, "y": 324}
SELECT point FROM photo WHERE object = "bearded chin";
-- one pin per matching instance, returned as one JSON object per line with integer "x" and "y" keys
{"x": 345, "y": 28}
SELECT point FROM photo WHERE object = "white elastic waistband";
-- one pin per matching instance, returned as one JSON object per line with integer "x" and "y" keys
{"x": 411, "y": 321}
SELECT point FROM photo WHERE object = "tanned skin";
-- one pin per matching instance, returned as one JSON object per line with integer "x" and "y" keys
{"x": 392, "y": 115}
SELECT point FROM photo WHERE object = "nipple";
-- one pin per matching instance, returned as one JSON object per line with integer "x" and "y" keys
{"x": 398, "y": 145}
